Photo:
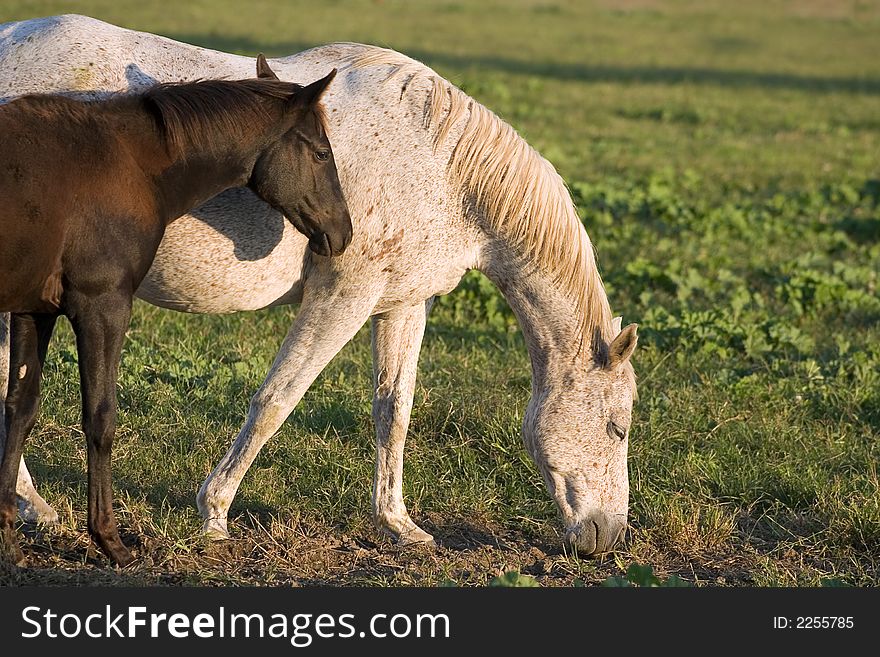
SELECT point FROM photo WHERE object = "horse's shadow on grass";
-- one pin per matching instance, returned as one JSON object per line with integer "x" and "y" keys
{"x": 165, "y": 494}
{"x": 157, "y": 496}
{"x": 253, "y": 515}
{"x": 319, "y": 416}
{"x": 462, "y": 535}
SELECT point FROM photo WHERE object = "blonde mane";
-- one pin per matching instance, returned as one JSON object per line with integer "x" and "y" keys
{"x": 519, "y": 192}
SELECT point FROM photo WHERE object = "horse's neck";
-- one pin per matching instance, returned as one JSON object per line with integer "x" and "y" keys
{"x": 189, "y": 182}
{"x": 183, "y": 182}
{"x": 547, "y": 318}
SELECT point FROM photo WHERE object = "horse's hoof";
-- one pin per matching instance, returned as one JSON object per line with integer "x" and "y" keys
{"x": 36, "y": 512}
{"x": 214, "y": 529}
{"x": 123, "y": 558}
{"x": 414, "y": 537}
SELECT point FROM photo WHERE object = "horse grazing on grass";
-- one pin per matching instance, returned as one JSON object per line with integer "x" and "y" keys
{"x": 436, "y": 185}
{"x": 88, "y": 188}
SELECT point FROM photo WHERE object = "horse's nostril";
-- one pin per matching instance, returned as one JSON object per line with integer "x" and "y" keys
{"x": 597, "y": 533}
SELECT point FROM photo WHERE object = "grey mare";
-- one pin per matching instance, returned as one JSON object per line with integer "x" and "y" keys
{"x": 436, "y": 185}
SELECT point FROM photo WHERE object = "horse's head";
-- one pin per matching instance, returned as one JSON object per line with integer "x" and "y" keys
{"x": 297, "y": 174}
{"x": 577, "y": 434}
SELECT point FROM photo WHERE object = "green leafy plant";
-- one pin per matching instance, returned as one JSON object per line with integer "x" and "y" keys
{"x": 643, "y": 576}
{"x": 514, "y": 578}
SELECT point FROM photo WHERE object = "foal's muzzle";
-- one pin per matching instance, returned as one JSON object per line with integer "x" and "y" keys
{"x": 319, "y": 243}
{"x": 324, "y": 240}
{"x": 326, "y": 245}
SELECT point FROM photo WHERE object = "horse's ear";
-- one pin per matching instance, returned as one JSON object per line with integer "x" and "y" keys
{"x": 622, "y": 346}
{"x": 616, "y": 324}
{"x": 311, "y": 94}
{"x": 263, "y": 70}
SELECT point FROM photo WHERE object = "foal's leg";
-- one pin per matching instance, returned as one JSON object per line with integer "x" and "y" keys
{"x": 397, "y": 339}
{"x": 100, "y": 323}
{"x": 30, "y": 340}
{"x": 322, "y": 327}
{"x": 31, "y": 507}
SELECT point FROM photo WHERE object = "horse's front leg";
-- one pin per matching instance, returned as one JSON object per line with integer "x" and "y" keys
{"x": 100, "y": 323}
{"x": 31, "y": 507}
{"x": 30, "y": 340}
{"x": 397, "y": 339}
{"x": 327, "y": 320}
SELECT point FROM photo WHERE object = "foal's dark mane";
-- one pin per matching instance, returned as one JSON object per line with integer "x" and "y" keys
{"x": 206, "y": 113}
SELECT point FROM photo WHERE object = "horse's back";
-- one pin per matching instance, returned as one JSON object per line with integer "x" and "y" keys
{"x": 79, "y": 54}
{"x": 35, "y": 55}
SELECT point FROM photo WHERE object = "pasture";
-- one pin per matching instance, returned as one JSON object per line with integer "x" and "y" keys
{"x": 725, "y": 161}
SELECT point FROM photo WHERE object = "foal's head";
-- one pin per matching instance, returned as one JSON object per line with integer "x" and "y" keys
{"x": 297, "y": 175}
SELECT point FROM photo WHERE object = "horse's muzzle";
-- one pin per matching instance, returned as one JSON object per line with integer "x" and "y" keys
{"x": 599, "y": 532}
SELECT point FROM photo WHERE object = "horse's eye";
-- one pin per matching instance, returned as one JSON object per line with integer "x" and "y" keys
{"x": 322, "y": 155}
{"x": 616, "y": 431}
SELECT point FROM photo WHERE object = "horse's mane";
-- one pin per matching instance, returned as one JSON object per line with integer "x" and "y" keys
{"x": 520, "y": 193}
{"x": 206, "y": 112}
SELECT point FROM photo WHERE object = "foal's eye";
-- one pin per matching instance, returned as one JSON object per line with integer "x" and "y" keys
{"x": 322, "y": 155}
{"x": 616, "y": 431}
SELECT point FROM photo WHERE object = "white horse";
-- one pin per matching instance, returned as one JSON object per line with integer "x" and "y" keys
{"x": 436, "y": 185}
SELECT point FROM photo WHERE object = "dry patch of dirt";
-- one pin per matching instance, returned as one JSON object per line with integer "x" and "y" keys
{"x": 468, "y": 553}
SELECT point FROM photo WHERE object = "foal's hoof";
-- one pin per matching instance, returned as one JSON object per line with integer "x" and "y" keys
{"x": 214, "y": 529}
{"x": 119, "y": 555}
{"x": 123, "y": 558}
{"x": 114, "y": 548}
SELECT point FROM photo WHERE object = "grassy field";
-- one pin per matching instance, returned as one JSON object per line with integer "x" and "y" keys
{"x": 725, "y": 158}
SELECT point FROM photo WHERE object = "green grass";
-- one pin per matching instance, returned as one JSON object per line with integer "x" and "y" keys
{"x": 725, "y": 158}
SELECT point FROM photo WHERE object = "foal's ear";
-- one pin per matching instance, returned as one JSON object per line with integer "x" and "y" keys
{"x": 622, "y": 347}
{"x": 311, "y": 94}
{"x": 264, "y": 72}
